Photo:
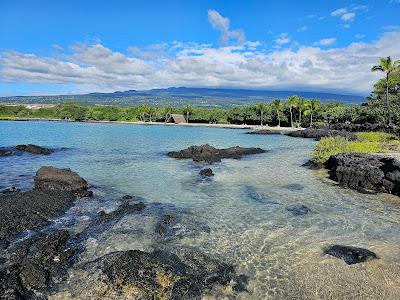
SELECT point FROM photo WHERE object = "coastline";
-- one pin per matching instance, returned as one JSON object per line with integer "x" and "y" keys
{"x": 226, "y": 126}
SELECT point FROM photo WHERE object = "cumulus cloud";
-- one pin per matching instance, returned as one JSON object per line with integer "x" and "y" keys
{"x": 325, "y": 42}
{"x": 283, "y": 39}
{"x": 222, "y": 24}
{"x": 98, "y": 68}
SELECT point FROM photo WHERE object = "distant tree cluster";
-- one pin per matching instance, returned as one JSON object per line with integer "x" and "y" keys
{"x": 383, "y": 106}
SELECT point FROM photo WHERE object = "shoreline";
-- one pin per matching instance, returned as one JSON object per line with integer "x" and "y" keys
{"x": 226, "y": 126}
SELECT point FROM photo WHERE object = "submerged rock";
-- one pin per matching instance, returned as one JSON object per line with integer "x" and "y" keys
{"x": 317, "y": 134}
{"x": 206, "y": 172}
{"x": 51, "y": 178}
{"x": 6, "y": 152}
{"x": 122, "y": 210}
{"x": 209, "y": 154}
{"x": 295, "y": 186}
{"x": 265, "y": 132}
{"x": 27, "y": 210}
{"x": 365, "y": 172}
{"x": 350, "y": 255}
{"x": 161, "y": 275}
{"x": 34, "y": 149}
{"x": 298, "y": 210}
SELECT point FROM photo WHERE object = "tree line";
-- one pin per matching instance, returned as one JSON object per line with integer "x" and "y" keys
{"x": 383, "y": 106}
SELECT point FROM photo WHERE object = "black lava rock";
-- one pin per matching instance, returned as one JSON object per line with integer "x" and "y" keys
{"x": 351, "y": 255}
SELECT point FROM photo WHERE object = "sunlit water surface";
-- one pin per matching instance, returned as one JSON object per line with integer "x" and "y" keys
{"x": 247, "y": 207}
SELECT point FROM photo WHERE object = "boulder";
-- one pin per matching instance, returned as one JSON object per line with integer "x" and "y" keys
{"x": 313, "y": 165}
{"x": 34, "y": 149}
{"x": 206, "y": 172}
{"x": 209, "y": 154}
{"x": 51, "y": 178}
{"x": 317, "y": 134}
{"x": 298, "y": 210}
{"x": 365, "y": 172}
{"x": 350, "y": 255}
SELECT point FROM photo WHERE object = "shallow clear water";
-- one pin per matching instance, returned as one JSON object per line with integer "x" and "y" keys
{"x": 247, "y": 206}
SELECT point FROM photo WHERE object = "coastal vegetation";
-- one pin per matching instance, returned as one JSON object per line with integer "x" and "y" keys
{"x": 367, "y": 142}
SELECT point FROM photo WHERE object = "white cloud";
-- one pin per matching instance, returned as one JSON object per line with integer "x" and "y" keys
{"x": 301, "y": 29}
{"x": 359, "y": 36}
{"x": 98, "y": 68}
{"x": 222, "y": 24}
{"x": 339, "y": 12}
{"x": 325, "y": 42}
{"x": 348, "y": 16}
{"x": 283, "y": 39}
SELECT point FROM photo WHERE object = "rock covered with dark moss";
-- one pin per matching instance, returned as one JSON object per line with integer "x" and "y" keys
{"x": 51, "y": 178}
{"x": 365, "y": 172}
{"x": 210, "y": 154}
{"x": 318, "y": 133}
{"x": 184, "y": 274}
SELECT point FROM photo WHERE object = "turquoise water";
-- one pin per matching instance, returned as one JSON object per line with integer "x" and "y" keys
{"x": 243, "y": 215}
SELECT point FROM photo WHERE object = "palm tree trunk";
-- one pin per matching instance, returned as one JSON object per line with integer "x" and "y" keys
{"x": 387, "y": 99}
{"x": 279, "y": 119}
{"x": 187, "y": 116}
{"x": 311, "y": 121}
{"x": 299, "y": 125}
{"x": 291, "y": 117}
{"x": 261, "y": 117}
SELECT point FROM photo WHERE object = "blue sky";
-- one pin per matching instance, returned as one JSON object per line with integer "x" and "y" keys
{"x": 49, "y": 47}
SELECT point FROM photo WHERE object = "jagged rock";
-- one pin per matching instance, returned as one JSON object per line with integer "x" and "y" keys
{"x": 162, "y": 275}
{"x": 295, "y": 186}
{"x": 365, "y": 127}
{"x": 51, "y": 178}
{"x": 351, "y": 255}
{"x": 209, "y": 154}
{"x": 317, "y": 134}
{"x": 35, "y": 264}
{"x": 27, "y": 210}
{"x": 206, "y": 172}
{"x": 365, "y": 172}
{"x": 34, "y": 149}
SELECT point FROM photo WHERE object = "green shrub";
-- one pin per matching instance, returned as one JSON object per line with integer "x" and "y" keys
{"x": 375, "y": 137}
{"x": 368, "y": 142}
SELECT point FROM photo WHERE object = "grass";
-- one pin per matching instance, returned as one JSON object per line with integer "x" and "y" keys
{"x": 367, "y": 142}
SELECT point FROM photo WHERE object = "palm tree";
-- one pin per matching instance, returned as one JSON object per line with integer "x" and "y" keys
{"x": 277, "y": 104}
{"x": 311, "y": 107}
{"x": 187, "y": 110}
{"x": 387, "y": 66}
{"x": 167, "y": 112}
{"x": 301, "y": 105}
{"x": 291, "y": 103}
{"x": 261, "y": 109}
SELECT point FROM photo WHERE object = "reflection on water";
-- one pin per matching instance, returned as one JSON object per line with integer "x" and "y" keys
{"x": 265, "y": 214}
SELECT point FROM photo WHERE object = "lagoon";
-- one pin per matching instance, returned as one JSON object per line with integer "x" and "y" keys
{"x": 249, "y": 214}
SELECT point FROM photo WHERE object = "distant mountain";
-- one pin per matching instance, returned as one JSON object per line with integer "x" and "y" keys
{"x": 178, "y": 96}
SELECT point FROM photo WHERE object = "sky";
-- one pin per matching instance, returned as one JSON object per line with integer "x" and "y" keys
{"x": 72, "y": 47}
